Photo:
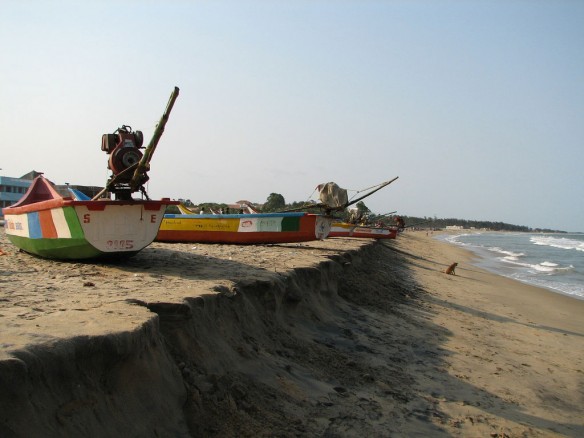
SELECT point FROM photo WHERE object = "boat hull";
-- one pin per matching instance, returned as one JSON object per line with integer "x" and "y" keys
{"x": 341, "y": 229}
{"x": 77, "y": 230}
{"x": 261, "y": 228}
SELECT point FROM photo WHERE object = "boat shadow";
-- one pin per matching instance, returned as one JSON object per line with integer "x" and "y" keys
{"x": 193, "y": 262}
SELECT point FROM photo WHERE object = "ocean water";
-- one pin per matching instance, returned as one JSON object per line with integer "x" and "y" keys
{"x": 552, "y": 261}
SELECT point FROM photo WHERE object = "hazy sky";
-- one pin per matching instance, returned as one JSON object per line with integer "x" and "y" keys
{"x": 477, "y": 106}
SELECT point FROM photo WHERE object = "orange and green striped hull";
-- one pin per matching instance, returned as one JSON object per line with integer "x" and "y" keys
{"x": 75, "y": 230}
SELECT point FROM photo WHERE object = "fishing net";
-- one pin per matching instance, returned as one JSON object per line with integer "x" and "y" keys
{"x": 332, "y": 195}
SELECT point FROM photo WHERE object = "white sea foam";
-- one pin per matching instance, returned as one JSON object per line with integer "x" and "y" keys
{"x": 551, "y": 261}
{"x": 542, "y": 267}
{"x": 558, "y": 242}
{"x": 507, "y": 255}
{"x": 454, "y": 238}
{"x": 567, "y": 289}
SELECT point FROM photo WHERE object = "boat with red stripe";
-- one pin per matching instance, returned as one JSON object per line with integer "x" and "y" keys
{"x": 73, "y": 226}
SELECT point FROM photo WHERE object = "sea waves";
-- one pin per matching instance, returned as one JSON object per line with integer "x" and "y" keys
{"x": 509, "y": 256}
{"x": 544, "y": 267}
{"x": 558, "y": 242}
{"x": 516, "y": 257}
{"x": 555, "y": 262}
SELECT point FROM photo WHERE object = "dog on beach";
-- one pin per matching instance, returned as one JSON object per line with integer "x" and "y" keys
{"x": 451, "y": 269}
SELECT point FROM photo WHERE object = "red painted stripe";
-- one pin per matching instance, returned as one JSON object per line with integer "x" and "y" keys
{"x": 47, "y": 225}
{"x": 96, "y": 206}
{"x": 148, "y": 205}
{"x": 235, "y": 237}
{"x": 152, "y": 206}
{"x": 37, "y": 206}
{"x": 91, "y": 205}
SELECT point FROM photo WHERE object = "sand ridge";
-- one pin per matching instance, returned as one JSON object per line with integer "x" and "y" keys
{"x": 343, "y": 337}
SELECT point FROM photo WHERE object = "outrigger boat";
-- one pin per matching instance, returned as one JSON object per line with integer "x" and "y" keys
{"x": 258, "y": 228}
{"x": 255, "y": 228}
{"x": 344, "y": 229}
{"x": 360, "y": 227}
{"x": 75, "y": 227}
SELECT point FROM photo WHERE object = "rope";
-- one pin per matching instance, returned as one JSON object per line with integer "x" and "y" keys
{"x": 362, "y": 190}
{"x": 309, "y": 197}
{"x": 368, "y": 188}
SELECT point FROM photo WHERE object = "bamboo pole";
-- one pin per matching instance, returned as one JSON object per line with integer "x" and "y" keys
{"x": 144, "y": 164}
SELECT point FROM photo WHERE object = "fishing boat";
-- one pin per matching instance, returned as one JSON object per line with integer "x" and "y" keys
{"x": 344, "y": 229}
{"x": 256, "y": 228}
{"x": 259, "y": 228}
{"x": 49, "y": 225}
{"x": 359, "y": 225}
{"x": 73, "y": 226}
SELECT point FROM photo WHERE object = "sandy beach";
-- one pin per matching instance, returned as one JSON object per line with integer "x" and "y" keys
{"x": 337, "y": 338}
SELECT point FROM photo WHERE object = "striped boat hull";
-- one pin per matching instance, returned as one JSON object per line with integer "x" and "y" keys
{"x": 76, "y": 230}
{"x": 261, "y": 228}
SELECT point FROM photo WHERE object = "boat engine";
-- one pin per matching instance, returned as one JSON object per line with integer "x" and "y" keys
{"x": 123, "y": 147}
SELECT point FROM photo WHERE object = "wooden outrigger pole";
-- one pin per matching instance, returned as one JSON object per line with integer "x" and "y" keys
{"x": 141, "y": 168}
{"x": 342, "y": 207}
{"x": 382, "y": 185}
{"x": 144, "y": 164}
{"x": 386, "y": 214}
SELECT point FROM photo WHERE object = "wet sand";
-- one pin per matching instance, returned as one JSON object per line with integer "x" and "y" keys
{"x": 343, "y": 337}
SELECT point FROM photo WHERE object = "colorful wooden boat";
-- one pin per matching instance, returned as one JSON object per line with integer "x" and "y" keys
{"x": 343, "y": 229}
{"x": 259, "y": 228}
{"x": 49, "y": 225}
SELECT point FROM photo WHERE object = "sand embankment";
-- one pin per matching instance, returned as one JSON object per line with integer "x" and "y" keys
{"x": 336, "y": 338}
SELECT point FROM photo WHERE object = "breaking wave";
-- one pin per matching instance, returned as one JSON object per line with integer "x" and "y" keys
{"x": 558, "y": 242}
{"x": 551, "y": 261}
{"x": 507, "y": 255}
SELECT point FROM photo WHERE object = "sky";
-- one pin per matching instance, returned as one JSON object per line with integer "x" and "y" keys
{"x": 477, "y": 106}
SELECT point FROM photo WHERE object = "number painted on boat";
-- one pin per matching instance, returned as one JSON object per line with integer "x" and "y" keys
{"x": 86, "y": 218}
{"x": 117, "y": 245}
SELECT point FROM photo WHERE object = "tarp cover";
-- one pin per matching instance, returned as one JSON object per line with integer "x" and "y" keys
{"x": 332, "y": 195}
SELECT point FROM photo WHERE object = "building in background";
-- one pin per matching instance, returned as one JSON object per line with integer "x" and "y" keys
{"x": 12, "y": 189}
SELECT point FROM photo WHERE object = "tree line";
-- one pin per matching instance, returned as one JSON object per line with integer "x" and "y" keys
{"x": 277, "y": 203}
{"x": 438, "y": 223}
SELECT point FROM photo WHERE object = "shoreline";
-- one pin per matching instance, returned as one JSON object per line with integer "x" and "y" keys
{"x": 525, "y": 290}
{"x": 517, "y": 342}
{"x": 486, "y": 263}
{"x": 345, "y": 337}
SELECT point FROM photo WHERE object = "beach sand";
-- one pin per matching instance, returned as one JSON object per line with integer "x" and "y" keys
{"x": 343, "y": 337}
